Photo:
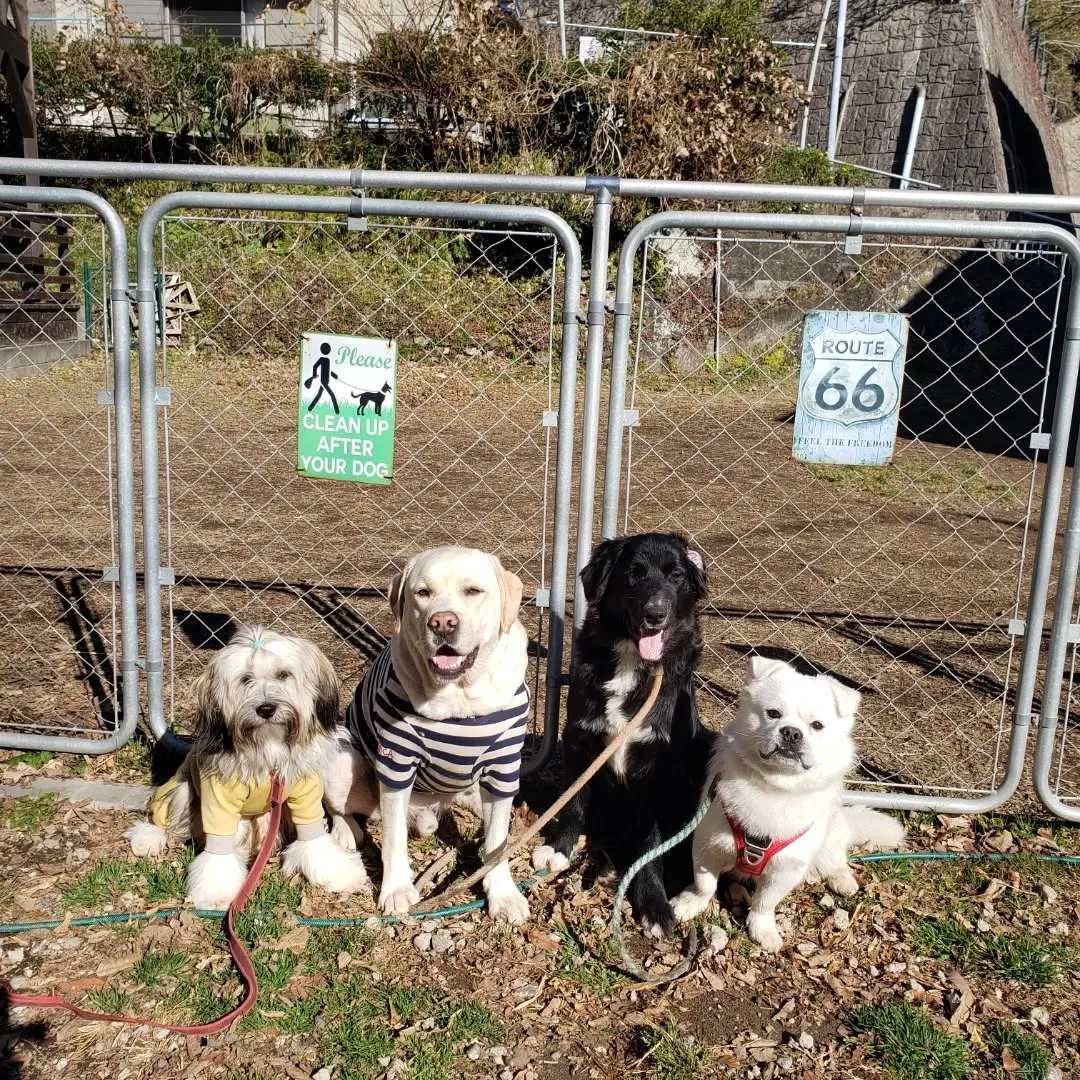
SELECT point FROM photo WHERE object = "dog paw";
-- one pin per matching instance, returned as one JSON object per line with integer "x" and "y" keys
{"x": 423, "y": 822}
{"x": 658, "y": 924}
{"x": 845, "y": 883}
{"x": 762, "y": 929}
{"x": 689, "y": 904}
{"x": 508, "y": 907}
{"x": 344, "y": 835}
{"x": 398, "y": 899}
{"x": 146, "y": 838}
{"x": 547, "y": 858}
{"x": 213, "y": 880}
{"x": 322, "y": 862}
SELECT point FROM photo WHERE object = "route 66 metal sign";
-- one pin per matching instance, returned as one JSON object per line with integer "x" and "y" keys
{"x": 849, "y": 387}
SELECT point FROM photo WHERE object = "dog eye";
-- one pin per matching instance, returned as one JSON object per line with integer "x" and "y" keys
{"x": 422, "y": 594}
{"x": 676, "y": 574}
{"x": 817, "y": 725}
{"x": 246, "y": 680}
{"x": 282, "y": 675}
{"x": 774, "y": 714}
{"x": 474, "y": 590}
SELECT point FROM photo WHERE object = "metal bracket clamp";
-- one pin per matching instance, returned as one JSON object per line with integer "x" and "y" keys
{"x": 597, "y": 313}
{"x": 166, "y": 575}
{"x": 358, "y": 221}
{"x": 621, "y": 309}
{"x": 853, "y": 240}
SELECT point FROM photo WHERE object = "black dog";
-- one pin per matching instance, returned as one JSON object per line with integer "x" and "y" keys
{"x": 370, "y": 397}
{"x": 643, "y": 593}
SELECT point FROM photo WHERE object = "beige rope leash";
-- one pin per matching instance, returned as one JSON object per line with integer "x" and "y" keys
{"x": 511, "y": 847}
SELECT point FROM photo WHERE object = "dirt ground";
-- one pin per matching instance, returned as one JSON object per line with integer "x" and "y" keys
{"x": 936, "y": 970}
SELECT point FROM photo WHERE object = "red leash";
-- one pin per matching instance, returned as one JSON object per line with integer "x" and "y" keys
{"x": 236, "y": 949}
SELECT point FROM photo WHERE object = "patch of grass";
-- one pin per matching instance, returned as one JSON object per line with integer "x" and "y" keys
{"x": 109, "y": 999}
{"x": 1020, "y": 956}
{"x": 433, "y": 1060}
{"x": 79, "y": 766}
{"x": 163, "y": 882}
{"x": 30, "y": 812}
{"x": 274, "y": 968}
{"x": 908, "y": 1045}
{"x": 357, "y": 1040}
{"x": 34, "y": 758}
{"x": 99, "y": 885}
{"x": 152, "y": 968}
{"x": 261, "y": 920}
{"x": 670, "y": 1055}
{"x": 324, "y": 947}
{"x": 200, "y": 998}
{"x": 133, "y": 756}
{"x": 1030, "y": 1054}
{"x": 474, "y": 1020}
{"x": 577, "y": 964}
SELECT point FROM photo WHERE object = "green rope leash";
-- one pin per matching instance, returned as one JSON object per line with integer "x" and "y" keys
{"x": 629, "y": 963}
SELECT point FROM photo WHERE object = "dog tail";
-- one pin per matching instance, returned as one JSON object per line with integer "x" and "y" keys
{"x": 873, "y": 829}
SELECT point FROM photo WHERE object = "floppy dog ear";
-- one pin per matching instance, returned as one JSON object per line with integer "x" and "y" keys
{"x": 325, "y": 690}
{"x": 698, "y": 577}
{"x": 210, "y": 732}
{"x": 396, "y": 596}
{"x": 762, "y": 666}
{"x": 847, "y": 699}
{"x": 597, "y": 571}
{"x": 510, "y": 589}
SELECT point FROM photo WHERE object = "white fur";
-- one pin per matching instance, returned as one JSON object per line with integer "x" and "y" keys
{"x": 473, "y": 586}
{"x": 776, "y": 795}
{"x": 618, "y": 688}
{"x": 213, "y": 880}
{"x": 324, "y": 863}
{"x": 146, "y": 838}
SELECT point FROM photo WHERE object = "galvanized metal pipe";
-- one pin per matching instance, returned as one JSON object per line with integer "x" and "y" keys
{"x": 837, "y": 75}
{"x": 913, "y": 136}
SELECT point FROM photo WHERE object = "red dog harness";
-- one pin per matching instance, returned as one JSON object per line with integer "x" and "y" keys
{"x": 754, "y": 853}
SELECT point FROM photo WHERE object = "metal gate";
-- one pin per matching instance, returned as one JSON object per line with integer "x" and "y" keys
{"x": 68, "y": 625}
{"x": 909, "y": 581}
{"x": 482, "y": 301}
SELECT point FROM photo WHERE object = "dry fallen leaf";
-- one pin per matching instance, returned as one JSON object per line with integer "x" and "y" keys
{"x": 542, "y": 939}
{"x": 295, "y": 940}
{"x": 1008, "y": 1062}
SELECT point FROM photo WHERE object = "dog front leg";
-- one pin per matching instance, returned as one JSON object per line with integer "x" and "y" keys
{"x": 562, "y": 835}
{"x": 505, "y": 902}
{"x": 776, "y": 883}
{"x": 710, "y": 861}
{"x": 398, "y": 893}
{"x": 216, "y": 874}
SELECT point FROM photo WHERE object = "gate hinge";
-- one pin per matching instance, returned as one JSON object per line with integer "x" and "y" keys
{"x": 1040, "y": 440}
{"x": 551, "y": 418}
{"x": 543, "y": 598}
{"x": 631, "y": 417}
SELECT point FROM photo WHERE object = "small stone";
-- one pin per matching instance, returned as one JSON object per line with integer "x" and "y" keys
{"x": 322, "y": 1074}
{"x": 982, "y": 926}
{"x": 20, "y": 982}
{"x": 397, "y": 1069}
{"x": 16, "y": 956}
{"x": 506, "y": 1074}
{"x": 806, "y": 948}
{"x": 1059, "y": 929}
{"x": 1054, "y": 1073}
{"x": 344, "y": 959}
{"x": 875, "y": 971}
{"x": 1048, "y": 893}
{"x": 428, "y": 1023}
{"x": 422, "y": 942}
{"x": 895, "y": 968}
{"x": 524, "y": 993}
{"x": 1039, "y": 1016}
{"x": 841, "y": 919}
{"x": 384, "y": 1062}
{"x": 373, "y": 922}
{"x": 521, "y": 1058}
{"x": 718, "y": 939}
{"x": 80, "y": 854}
{"x": 51, "y": 844}
{"x": 806, "y": 1040}
{"x": 473, "y": 1052}
{"x": 441, "y": 941}
{"x": 827, "y": 902}
{"x": 785, "y": 1064}
{"x": 499, "y": 1054}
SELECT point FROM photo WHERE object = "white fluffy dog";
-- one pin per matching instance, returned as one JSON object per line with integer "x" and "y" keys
{"x": 775, "y": 785}
{"x": 266, "y": 703}
{"x": 440, "y": 718}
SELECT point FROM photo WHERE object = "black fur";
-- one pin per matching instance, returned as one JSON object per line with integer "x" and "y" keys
{"x": 628, "y": 582}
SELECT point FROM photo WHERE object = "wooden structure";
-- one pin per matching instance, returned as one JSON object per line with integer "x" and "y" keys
{"x": 17, "y": 61}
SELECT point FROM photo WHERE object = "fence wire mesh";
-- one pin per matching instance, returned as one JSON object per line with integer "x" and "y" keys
{"x": 1065, "y": 767}
{"x": 474, "y": 314}
{"x": 59, "y": 656}
{"x": 902, "y": 580}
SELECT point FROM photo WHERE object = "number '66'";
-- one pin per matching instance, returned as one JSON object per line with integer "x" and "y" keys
{"x": 866, "y": 397}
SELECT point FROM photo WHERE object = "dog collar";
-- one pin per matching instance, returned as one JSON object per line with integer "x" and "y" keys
{"x": 752, "y": 853}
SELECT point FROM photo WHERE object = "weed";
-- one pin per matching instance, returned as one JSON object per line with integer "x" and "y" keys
{"x": 274, "y": 968}
{"x": 474, "y": 1020}
{"x": 79, "y": 766}
{"x": 30, "y": 812}
{"x": 1030, "y": 1054}
{"x": 34, "y": 758}
{"x": 670, "y": 1055}
{"x": 1019, "y": 956}
{"x": 99, "y": 885}
{"x": 109, "y": 999}
{"x": 908, "y": 1044}
{"x": 357, "y": 1042}
{"x": 152, "y": 968}
{"x": 200, "y": 998}
{"x": 578, "y": 964}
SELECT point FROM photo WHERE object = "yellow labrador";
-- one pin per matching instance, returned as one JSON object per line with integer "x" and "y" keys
{"x": 439, "y": 717}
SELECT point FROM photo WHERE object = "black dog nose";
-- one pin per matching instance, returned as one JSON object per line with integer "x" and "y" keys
{"x": 656, "y": 612}
{"x": 443, "y": 623}
{"x": 792, "y": 736}
{"x": 266, "y": 710}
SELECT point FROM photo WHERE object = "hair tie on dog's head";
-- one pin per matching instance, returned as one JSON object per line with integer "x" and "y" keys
{"x": 257, "y": 643}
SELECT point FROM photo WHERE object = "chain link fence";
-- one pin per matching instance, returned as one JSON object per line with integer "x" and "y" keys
{"x": 476, "y": 315}
{"x": 909, "y": 581}
{"x": 59, "y": 653}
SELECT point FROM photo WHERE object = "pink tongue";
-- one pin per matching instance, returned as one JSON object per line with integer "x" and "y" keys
{"x": 651, "y": 644}
{"x": 444, "y": 662}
